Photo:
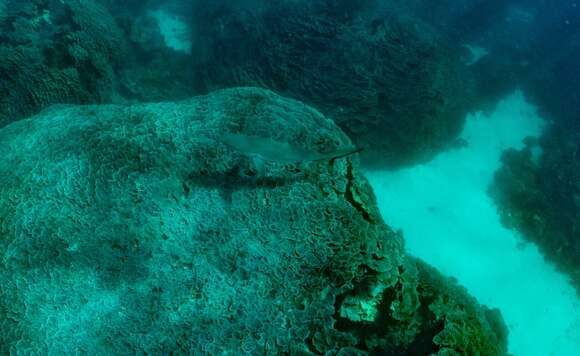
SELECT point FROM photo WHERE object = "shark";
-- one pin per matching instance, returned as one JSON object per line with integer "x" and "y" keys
{"x": 267, "y": 149}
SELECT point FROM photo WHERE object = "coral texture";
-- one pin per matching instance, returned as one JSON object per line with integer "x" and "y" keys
{"x": 56, "y": 52}
{"x": 389, "y": 82}
{"x": 135, "y": 229}
{"x": 540, "y": 196}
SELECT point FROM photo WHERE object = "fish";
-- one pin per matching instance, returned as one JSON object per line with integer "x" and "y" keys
{"x": 270, "y": 150}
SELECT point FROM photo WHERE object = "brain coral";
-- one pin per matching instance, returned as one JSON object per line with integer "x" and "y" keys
{"x": 134, "y": 229}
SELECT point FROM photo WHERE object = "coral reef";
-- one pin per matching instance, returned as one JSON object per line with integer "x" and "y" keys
{"x": 134, "y": 229}
{"x": 56, "y": 52}
{"x": 390, "y": 82}
{"x": 82, "y": 51}
{"x": 424, "y": 314}
{"x": 539, "y": 195}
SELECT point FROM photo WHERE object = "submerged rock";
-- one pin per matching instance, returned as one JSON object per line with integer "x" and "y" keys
{"x": 391, "y": 83}
{"x": 56, "y": 52}
{"x": 537, "y": 191}
{"x": 135, "y": 229}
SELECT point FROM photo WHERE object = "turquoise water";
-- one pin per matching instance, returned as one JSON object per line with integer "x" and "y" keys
{"x": 450, "y": 221}
{"x": 290, "y": 177}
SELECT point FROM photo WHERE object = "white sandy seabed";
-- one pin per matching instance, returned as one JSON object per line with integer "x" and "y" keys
{"x": 174, "y": 31}
{"x": 449, "y": 221}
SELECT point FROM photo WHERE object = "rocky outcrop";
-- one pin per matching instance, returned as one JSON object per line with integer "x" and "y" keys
{"x": 56, "y": 52}
{"x": 537, "y": 191}
{"x": 390, "y": 82}
{"x": 135, "y": 229}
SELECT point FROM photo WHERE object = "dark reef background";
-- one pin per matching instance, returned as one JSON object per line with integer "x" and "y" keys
{"x": 395, "y": 76}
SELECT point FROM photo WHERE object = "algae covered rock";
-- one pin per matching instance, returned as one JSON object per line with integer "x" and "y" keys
{"x": 424, "y": 313}
{"x": 537, "y": 191}
{"x": 391, "y": 83}
{"x": 135, "y": 229}
{"x": 56, "y": 52}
